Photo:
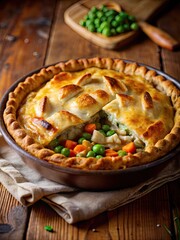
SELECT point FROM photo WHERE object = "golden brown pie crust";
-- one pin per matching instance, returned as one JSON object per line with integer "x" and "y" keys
{"x": 63, "y": 70}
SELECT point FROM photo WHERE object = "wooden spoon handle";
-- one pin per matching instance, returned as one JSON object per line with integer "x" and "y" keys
{"x": 158, "y": 36}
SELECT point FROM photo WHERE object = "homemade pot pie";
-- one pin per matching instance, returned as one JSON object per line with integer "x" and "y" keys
{"x": 95, "y": 114}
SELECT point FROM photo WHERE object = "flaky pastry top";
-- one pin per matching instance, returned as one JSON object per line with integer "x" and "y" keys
{"x": 69, "y": 94}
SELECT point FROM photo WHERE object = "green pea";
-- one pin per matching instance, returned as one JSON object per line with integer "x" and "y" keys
{"x": 103, "y": 18}
{"x": 91, "y": 15}
{"x": 82, "y": 23}
{"x": 87, "y": 136}
{"x": 99, "y": 156}
{"x": 104, "y": 24}
{"x": 120, "y": 29}
{"x": 98, "y": 149}
{"x": 65, "y": 152}
{"x": 131, "y": 18}
{"x": 86, "y": 17}
{"x": 110, "y": 133}
{"x": 110, "y": 19}
{"x": 88, "y": 22}
{"x": 94, "y": 9}
{"x": 54, "y": 143}
{"x": 106, "y": 31}
{"x": 97, "y": 22}
{"x": 128, "y": 132}
{"x": 126, "y": 27}
{"x": 113, "y": 31}
{"x": 91, "y": 28}
{"x": 90, "y": 154}
{"x": 48, "y": 228}
{"x": 114, "y": 23}
{"x": 110, "y": 13}
{"x": 99, "y": 14}
{"x": 118, "y": 18}
{"x": 105, "y": 128}
{"x": 122, "y": 153}
{"x": 102, "y": 132}
{"x": 81, "y": 140}
{"x": 58, "y": 149}
{"x": 134, "y": 26}
{"x": 123, "y": 15}
{"x": 104, "y": 9}
{"x": 99, "y": 30}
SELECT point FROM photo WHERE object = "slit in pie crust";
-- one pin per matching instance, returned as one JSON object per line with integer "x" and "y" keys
{"x": 56, "y": 103}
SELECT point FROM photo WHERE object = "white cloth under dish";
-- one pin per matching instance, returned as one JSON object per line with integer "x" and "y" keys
{"x": 72, "y": 204}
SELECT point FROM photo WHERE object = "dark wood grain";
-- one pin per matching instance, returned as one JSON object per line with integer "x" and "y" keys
{"x": 171, "y": 65}
{"x": 27, "y": 52}
{"x": 146, "y": 213}
{"x": 171, "y": 60}
{"x": 13, "y": 217}
{"x": 17, "y": 57}
{"x": 42, "y": 37}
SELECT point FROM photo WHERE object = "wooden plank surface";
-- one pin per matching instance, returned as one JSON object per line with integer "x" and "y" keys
{"x": 13, "y": 217}
{"x": 30, "y": 25}
{"x": 171, "y": 65}
{"x": 142, "y": 219}
{"x": 171, "y": 60}
{"x": 22, "y": 49}
{"x": 147, "y": 213}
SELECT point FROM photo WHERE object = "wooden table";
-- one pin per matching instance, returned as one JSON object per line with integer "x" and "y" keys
{"x": 33, "y": 34}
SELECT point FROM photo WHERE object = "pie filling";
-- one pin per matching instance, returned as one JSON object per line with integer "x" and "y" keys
{"x": 95, "y": 114}
{"x": 116, "y": 139}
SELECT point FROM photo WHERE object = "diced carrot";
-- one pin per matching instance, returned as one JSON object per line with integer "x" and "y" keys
{"x": 79, "y": 148}
{"x": 111, "y": 153}
{"x": 90, "y": 127}
{"x": 70, "y": 144}
{"x": 129, "y": 148}
{"x": 72, "y": 153}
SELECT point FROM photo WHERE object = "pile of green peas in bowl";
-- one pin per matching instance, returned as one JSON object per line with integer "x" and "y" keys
{"x": 108, "y": 22}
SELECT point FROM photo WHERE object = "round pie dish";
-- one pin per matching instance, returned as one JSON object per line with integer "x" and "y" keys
{"x": 92, "y": 178}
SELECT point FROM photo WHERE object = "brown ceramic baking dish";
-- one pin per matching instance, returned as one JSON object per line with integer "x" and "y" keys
{"x": 94, "y": 179}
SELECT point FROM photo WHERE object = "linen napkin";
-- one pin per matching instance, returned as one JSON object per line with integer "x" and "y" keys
{"x": 72, "y": 204}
